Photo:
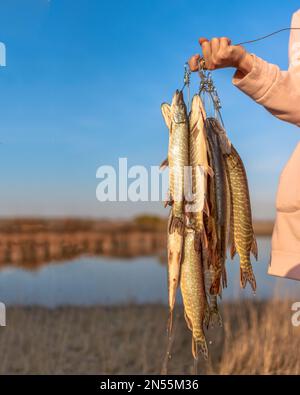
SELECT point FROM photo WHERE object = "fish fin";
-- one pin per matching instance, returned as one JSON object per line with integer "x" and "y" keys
{"x": 247, "y": 276}
{"x": 215, "y": 288}
{"x": 177, "y": 224}
{"x": 170, "y": 223}
{"x": 168, "y": 202}
{"x": 206, "y": 208}
{"x": 207, "y": 316}
{"x": 166, "y": 112}
{"x": 224, "y": 276}
{"x": 210, "y": 171}
{"x": 232, "y": 250}
{"x": 164, "y": 165}
{"x": 254, "y": 248}
{"x": 215, "y": 318}
{"x": 188, "y": 322}
{"x": 204, "y": 240}
{"x": 199, "y": 346}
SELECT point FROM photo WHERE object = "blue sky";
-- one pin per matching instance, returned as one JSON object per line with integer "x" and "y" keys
{"x": 83, "y": 86}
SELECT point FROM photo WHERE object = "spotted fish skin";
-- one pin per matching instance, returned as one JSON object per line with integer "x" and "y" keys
{"x": 176, "y": 118}
{"x": 243, "y": 238}
{"x": 175, "y": 246}
{"x": 200, "y": 169}
{"x": 219, "y": 203}
{"x": 193, "y": 294}
{"x": 219, "y": 170}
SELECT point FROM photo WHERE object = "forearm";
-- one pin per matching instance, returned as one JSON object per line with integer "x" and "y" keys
{"x": 245, "y": 66}
{"x": 278, "y": 91}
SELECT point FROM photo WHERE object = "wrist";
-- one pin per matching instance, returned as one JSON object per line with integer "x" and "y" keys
{"x": 245, "y": 64}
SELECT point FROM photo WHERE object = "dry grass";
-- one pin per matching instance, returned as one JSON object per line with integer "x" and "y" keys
{"x": 258, "y": 339}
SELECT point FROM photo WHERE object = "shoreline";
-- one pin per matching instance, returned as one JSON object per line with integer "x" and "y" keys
{"x": 33, "y": 242}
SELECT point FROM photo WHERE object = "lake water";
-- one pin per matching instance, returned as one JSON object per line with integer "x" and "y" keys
{"x": 90, "y": 281}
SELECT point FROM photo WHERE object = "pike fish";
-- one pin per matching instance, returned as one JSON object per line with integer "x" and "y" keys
{"x": 214, "y": 314}
{"x": 178, "y": 157}
{"x": 200, "y": 170}
{"x": 175, "y": 246}
{"x": 243, "y": 238}
{"x": 219, "y": 202}
{"x": 194, "y": 295}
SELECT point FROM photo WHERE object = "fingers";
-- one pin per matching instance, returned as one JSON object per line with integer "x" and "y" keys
{"x": 194, "y": 62}
{"x": 202, "y": 40}
{"x": 217, "y": 53}
{"x": 215, "y": 45}
{"x": 224, "y": 42}
{"x": 207, "y": 54}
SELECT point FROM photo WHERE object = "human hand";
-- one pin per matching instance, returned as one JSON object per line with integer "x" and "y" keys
{"x": 219, "y": 53}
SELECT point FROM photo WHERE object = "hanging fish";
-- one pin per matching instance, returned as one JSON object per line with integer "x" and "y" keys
{"x": 193, "y": 294}
{"x": 178, "y": 157}
{"x": 220, "y": 204}
{"x": 243, "y": 238}
{"x": 200, "y": 170}
{"x": 175, "y": 249}
{"x": 214, "y": 314}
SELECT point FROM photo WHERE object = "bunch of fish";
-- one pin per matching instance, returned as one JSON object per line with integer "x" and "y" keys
{"x": 210, "y": 209}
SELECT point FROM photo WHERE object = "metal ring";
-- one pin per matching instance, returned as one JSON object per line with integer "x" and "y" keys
{"x": 201, "y": 64}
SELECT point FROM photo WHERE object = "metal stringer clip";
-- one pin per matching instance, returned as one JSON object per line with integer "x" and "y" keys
{"x": 187, "y": 82}
{"x": 207, "y": 87}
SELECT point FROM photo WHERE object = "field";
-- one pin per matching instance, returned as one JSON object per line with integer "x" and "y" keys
{"x": 257, "y": 338}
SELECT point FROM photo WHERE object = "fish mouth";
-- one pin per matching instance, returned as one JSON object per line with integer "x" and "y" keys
{"x": 179, "y": 108}
{"x": 178, "y": 98}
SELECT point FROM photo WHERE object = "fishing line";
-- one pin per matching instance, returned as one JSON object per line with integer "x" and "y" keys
{"x": 268, "y": 35}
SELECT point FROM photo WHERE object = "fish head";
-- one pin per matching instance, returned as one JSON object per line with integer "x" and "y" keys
{"x": 178, "y": 108}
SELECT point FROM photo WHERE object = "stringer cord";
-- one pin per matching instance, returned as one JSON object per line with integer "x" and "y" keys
{"x": 268, "y": 35}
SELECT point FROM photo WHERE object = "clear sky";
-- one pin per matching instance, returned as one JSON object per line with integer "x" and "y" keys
{"x": 83, "y": 86}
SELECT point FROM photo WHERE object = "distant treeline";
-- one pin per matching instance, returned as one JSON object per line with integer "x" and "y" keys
{"x": 142, "y": 222}
{"x": 31, "y": 242}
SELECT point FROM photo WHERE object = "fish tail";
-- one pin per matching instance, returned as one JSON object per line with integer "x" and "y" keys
{"x": 254, "y": 248}
{"x": 247, "y": 275}
{"x": 215, "y": 317}
{"x": 199, "y": 346}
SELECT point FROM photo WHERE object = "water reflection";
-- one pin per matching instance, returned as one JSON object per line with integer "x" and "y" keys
{"x": 88, "y": 281}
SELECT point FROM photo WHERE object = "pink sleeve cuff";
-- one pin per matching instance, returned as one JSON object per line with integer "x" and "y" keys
{"x": 258, "y": 82}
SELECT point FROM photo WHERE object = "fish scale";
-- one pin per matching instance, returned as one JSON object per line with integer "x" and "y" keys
{"x": 178, "y": 157}
{"x": 193, "y": 294}
{"x": 242, "y": 229}
{"x": 199, "y": 165}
